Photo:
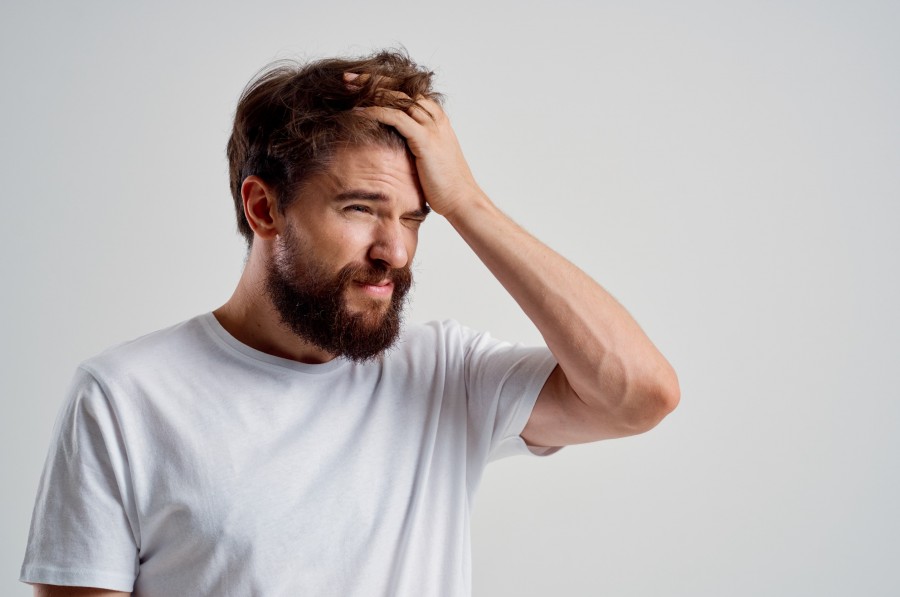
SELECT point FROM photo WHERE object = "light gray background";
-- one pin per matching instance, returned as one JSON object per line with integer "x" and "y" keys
{"x": 729, "y": 170}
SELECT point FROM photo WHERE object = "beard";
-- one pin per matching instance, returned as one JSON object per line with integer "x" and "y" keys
{"x": 311, "y": 302}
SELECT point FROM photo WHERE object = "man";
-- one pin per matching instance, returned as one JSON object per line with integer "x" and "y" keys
{"x": 294, "y": 441}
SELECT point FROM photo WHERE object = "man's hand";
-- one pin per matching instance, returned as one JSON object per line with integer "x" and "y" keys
{"x": 443, "y": 171}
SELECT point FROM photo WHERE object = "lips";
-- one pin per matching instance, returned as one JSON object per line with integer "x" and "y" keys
{"x": 379, "y": 282}
{"x": 375, "y": 283}
{"x": 375, "y": 278}
{"x": 382, "y": 288}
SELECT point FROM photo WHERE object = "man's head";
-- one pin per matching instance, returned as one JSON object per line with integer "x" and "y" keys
{"x": 293, "y": 118}
{"x": 331, "y": 196}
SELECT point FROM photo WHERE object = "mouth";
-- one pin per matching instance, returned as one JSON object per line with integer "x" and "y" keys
{"x": 381, "y": 288}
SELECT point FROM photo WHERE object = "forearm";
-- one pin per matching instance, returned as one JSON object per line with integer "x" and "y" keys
{"x": 607, "y": 359}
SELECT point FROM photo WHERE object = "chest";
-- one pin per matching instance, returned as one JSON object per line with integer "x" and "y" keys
{"x": 300, "y": 479}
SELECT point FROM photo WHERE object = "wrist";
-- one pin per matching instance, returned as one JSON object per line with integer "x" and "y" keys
{"x": 468, "y": 202}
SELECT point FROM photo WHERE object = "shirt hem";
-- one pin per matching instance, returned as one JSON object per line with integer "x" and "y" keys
{"x": 49, "y": 575}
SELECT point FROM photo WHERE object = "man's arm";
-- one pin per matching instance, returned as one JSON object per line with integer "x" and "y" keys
{"x": 611, "y": 380}
{"x": 60, "y": 591}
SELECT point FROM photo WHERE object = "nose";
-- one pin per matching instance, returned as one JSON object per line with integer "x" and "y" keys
{"x": 389, "y": 246}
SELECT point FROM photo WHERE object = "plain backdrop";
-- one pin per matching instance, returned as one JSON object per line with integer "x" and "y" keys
{"x": 730, "y": 171}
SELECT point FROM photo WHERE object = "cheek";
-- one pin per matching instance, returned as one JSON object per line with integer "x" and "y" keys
{"x": 352, "y": 242}
{"x": 412, "y": 243}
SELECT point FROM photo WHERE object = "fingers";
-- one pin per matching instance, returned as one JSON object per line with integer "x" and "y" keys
{"x": 356, "y": 81}
{"x": 421, "y": 109}
{"x": 405, "y": 124}
{"x": 353, "y": 82}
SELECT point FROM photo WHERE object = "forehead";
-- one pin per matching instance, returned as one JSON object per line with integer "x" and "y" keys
{"x": 372, "y": 168}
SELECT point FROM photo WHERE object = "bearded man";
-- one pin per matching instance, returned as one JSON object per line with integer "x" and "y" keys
{"x": 298, "y": 440}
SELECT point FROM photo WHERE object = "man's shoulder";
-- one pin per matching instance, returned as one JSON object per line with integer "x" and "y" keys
{"x": 155, "y": 348}
{"x": 446, "y": 343}
{"x": 437, "y": 328}
{"x": 447, "y": 333}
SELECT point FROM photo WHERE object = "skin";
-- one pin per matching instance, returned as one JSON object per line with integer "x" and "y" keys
{"x": 611, "y": 380}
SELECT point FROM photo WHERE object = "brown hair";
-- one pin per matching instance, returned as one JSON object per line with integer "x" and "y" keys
{"x": 293, "y": 117}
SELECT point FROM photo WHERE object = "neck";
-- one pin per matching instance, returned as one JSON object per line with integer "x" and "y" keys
{"x": 251, "y": 318}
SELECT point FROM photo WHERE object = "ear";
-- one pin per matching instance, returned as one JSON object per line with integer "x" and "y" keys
{"x": 260, "y": 207}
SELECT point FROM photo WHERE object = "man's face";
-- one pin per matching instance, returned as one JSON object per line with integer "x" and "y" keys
{"x": 341, "y": 266}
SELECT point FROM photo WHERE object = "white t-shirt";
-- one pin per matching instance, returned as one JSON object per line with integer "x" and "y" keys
{"x": 187, "y": 463}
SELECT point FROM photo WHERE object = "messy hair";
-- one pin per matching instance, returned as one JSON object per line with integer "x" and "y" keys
{"x": 293, "y": 117}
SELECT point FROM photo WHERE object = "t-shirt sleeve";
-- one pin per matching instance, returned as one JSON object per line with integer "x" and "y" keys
{"x": 84, "y": 528}
{"x": 503, "y": 381}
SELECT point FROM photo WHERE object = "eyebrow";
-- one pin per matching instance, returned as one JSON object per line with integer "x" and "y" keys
{"x": 360, "y": 195}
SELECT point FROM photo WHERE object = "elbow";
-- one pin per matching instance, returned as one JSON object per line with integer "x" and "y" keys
{"x": 651, "y": 401}
{"x": 631, "y": 400}
{"x": 670, "y": 391}
{"x": 663, "y": 396}
{"x": 671, "y": 398}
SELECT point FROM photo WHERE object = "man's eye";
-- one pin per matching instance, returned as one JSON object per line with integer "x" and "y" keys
{"x": 359, "y": 208}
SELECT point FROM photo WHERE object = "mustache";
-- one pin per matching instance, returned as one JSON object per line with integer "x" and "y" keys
{"x": 376, "y": 274}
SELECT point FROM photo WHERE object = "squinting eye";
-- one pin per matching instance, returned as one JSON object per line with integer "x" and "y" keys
{"x": 359, "y": 208}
